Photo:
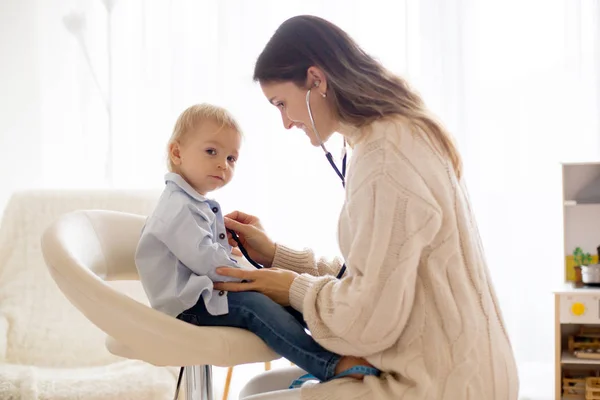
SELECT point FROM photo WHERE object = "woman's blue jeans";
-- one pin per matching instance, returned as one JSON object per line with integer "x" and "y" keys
{"x": 281, "y": 328}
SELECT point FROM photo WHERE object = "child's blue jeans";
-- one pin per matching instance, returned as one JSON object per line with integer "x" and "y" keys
{"x": 282, "y": 329}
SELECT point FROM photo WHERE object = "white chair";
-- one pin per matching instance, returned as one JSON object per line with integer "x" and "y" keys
{"x": 85, "y": 249}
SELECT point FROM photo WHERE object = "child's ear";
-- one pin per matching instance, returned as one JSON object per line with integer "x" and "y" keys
{"x": 174, "y": 153}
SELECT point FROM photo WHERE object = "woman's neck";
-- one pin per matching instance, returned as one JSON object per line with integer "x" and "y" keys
{"x": 350, "y": 132}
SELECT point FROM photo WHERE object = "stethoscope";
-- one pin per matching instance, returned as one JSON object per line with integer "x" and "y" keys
{"x": 341, "y": 174}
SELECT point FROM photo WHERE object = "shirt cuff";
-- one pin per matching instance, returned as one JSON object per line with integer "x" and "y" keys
{"x": 299, "y": 288}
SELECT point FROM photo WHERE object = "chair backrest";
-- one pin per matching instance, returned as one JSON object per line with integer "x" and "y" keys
{"x": 83, "y": 250}
{"x": 101, "y": 241}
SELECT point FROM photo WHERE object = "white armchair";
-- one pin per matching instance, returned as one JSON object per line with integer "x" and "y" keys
{"x": 48, "y": 349}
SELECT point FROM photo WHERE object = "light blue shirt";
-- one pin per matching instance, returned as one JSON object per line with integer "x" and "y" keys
{"x": 181, "y": 245}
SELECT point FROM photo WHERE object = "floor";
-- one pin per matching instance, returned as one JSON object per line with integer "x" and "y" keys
{"x": 536, "y": 380}
{"x": 241, "y": 375}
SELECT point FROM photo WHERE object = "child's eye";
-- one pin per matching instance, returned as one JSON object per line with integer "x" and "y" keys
{"x": 231, "y": 159}
{"x": 211, "y": 152}
{"x": 280, "y": 105}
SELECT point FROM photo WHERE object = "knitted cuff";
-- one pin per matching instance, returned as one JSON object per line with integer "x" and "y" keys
{"x": 299, "y": 288}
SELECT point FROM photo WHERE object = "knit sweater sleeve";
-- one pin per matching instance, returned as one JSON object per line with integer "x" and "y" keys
{"x": 305, "y": 262}
{"x": 366, "y": 311}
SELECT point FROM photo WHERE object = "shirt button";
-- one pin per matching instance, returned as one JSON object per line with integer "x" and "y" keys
{"x": 215, "y": 210}
{"x": 222, "y": 236}
{"x": 221, "y": 293}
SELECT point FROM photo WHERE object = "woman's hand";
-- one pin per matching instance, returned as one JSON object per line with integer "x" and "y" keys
{"x": 272, "y": 282}
{"x": 252, "y": 235}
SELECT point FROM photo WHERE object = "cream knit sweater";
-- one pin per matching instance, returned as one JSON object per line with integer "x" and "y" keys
{"x": 417, "y": 301}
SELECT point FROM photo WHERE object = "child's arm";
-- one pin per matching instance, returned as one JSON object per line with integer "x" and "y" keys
{"x": 189, "y": 237}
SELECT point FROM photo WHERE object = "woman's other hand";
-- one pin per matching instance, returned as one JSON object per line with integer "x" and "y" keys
{"x": 272, "y": 282}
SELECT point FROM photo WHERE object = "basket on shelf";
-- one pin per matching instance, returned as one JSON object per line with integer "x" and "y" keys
{"x": 592, "y": 388}
{"x": 585, "y": 344}
{"x": 574, "y": 388}
{"x": 574, "y": 383}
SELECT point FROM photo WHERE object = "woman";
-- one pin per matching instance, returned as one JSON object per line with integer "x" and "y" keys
{"x": 416, "y": 301}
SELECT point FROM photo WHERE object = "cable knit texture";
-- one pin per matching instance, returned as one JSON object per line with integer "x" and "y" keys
{"x": 416, "y": 301}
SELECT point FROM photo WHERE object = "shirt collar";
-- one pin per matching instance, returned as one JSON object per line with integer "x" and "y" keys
{"x": 183, "y": 185}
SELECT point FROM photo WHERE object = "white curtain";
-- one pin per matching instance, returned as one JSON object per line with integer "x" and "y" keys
{"x": 517, "y": 82}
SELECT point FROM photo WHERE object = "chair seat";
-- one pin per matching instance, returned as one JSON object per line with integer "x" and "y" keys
{"x": 223, "y": 347}
{"x": 86, "y": 249}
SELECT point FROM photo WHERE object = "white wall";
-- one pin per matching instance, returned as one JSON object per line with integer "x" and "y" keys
{"x": 20, "y": 97}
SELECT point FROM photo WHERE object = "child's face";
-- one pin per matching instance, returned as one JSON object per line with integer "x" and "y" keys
{"x": 207, "y": 156}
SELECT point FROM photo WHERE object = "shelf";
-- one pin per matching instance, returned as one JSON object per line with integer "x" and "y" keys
{"x": 571, "y": 288}
{"x": 568, "y": 358}
{"x": 574, "y": 203}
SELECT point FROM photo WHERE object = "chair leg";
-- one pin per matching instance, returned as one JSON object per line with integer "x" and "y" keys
{"x": 198, "y": 383}
{"x": 227, "y": 383}
{"x": 176, "y": 397}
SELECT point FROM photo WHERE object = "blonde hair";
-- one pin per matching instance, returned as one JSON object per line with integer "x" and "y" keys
{"x": 360, "y": 89}
{"x": 194, "y": 115}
